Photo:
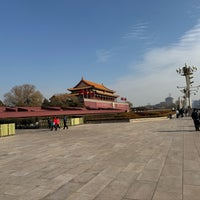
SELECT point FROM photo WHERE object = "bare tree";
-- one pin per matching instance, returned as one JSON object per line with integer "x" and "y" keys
{"x": 24, "y": 95}
{"x": 63, "y": 100}
{"x": 1, "y": 103}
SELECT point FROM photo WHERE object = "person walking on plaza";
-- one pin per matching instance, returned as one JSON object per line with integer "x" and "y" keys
{"x": 49, "y": 123}
{"x": 195, "y": 117}
{"x": 55, "y": 123}
{"x": 52, "y": 125}
{"x": 58, "y": 122}
{"x": 65, "y": 122}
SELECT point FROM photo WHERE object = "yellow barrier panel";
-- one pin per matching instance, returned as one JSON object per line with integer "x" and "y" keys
{"x": 4, "y": 129}
{"x": 11, "y": 129}
{"x": 76, "y": 121}
{"x": 7, "y": 129}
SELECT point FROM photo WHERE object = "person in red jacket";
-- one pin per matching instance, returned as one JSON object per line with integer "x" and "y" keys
{"x": 58, "y": 122}
{"x": 55, "y": 123}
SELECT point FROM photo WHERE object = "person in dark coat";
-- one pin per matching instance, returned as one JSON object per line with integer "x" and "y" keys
{"x": 65, "y": 122}
{"x": 195, "y": 117}
{"x": 49, "y": 123}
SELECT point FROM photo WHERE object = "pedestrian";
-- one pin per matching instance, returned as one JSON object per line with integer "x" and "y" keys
{"x": 58, "y": 122}
{"x": 52, "y": 125}
{"x": 49, "y": 122}
{"x": 177, "y": 113}
{"x": 195, "y": 117}
{"x": 65, "y": 122}
{"x": 55, "y": 123}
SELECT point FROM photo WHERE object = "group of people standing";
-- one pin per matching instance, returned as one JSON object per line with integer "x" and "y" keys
{"x": 54, "y": 124}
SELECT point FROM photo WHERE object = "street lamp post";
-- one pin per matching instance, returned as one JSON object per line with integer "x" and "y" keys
{"x": 187, "y": 71}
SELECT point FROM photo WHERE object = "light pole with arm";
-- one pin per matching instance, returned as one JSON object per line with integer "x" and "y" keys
{"x": 187, "y": 71}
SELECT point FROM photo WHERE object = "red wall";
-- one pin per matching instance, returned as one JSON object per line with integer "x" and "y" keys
{"x": 96, "y": 104}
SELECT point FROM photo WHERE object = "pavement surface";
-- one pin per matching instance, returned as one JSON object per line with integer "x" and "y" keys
{"x": 141, "y": 160}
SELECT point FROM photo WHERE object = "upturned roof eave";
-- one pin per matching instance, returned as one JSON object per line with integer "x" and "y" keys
{"x": 90, "y": 85}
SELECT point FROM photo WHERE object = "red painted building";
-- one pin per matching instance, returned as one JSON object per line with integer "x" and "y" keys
{"x": 97, "y": 96}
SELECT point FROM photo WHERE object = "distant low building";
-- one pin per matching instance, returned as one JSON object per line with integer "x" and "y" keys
{"x": 167, "y": 104}
{"x": 169, "y": 100}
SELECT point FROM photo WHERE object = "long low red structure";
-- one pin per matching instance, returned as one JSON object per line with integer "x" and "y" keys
{"x": 23, "y": 112}
{"x": 96, "y": 104}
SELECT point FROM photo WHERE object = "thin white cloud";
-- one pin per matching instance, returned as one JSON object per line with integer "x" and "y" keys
{"x": 103, "y": 55}
{"x": 138, "y": 31}
{"x": 155, "y": 77}
{"x": 192, "y": 36}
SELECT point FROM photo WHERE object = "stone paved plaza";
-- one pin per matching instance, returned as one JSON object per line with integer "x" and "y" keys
{"x": 144, "y": 160}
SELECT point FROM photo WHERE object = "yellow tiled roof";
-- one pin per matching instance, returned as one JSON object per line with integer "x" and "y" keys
{"x": 97, "y": 85}
{"x": 79, "y": 88}
{"x": 91, "y": 84}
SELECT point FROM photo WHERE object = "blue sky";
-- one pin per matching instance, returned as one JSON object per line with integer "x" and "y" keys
{"x": 131, "y": 46}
